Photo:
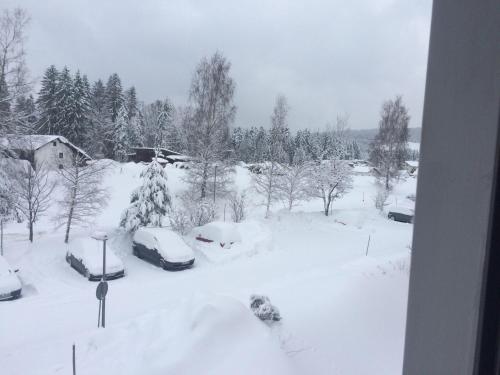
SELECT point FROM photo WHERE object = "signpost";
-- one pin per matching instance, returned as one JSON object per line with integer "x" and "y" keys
{"x": 102, "y": 287}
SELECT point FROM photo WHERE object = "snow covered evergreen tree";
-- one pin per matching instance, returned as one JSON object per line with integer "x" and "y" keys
{"x": 130, "y": 98}
{"x": 46, "y": 102}
{"x": 121, "y": 143}
{"x": 150, "y": 202}
{"x": 114, "y": 96}
{"x": 25, "y": 115}
{"x": 64, "y": 103}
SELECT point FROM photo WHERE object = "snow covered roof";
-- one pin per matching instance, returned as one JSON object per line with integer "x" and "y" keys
{"x": 166, "y": 150}
{"x": 36, "y": 141}
{"x": 412, "y": 163}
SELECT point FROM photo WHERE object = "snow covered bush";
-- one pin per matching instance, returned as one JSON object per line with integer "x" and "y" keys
{"x": 179, "y": 221}
{"x": 199, "y": 212}
{"x": 380, "y": 199}
{"x": 237, "y": 204}
{"x": 263, "y": 309}
{"x": 150, "y": 202}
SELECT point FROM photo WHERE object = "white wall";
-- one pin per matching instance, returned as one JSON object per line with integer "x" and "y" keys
{"x": 49, "y": 155}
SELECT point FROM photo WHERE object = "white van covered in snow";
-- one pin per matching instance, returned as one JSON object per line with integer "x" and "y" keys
{"x": 162, "y": 247}
{"x": 10, "y": 285}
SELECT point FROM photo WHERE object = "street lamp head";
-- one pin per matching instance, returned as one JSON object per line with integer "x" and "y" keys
{"x": 100, "y": 236}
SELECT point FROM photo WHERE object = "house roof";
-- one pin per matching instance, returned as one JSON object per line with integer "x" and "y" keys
{"x": 412, "y": 163}
{"x": 161, "y": 149}
{"x": 36, "y": 141}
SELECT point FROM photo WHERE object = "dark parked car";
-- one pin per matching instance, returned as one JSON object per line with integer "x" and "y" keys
{"x": 402, "y": 215}
{"x": 10, "y": 285}
{"x": 163, "y": 248}
{"x": 85, "y": 256}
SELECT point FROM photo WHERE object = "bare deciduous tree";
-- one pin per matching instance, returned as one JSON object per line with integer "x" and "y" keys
{"x": 31, "y": 189}
{"x": 13, "y": 71}
{"x": 237, "y": 204}
{"x": 212, "y": 111}
{"x": 389, "y": 148}
{"x": 293, "y": 183}
{"x": 84, "y": 195}
{"x": 266, "y": 182}
{"x": 329, "y": 180}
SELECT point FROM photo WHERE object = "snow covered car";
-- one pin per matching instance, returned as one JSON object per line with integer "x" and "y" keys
{"x": 402, "y": 215}
{"x": 85, "y": 256}
{"x": 162, "y": 247}
{"x": 224, "y": 234}
{"x": 10, "y": 285}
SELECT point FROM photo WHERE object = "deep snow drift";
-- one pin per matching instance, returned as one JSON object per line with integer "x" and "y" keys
{"x": 342, "y": 312}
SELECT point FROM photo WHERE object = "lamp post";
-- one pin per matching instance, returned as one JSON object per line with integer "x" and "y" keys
{"x": 102, "y": 288}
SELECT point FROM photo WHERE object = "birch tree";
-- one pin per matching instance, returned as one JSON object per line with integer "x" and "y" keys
{"x": 13, "y": 71}
{"x": 266, "y": 182}
{"x": 84, "y": 195}
{"x": 212, "y": 112}
{"x": 389, "y": 148}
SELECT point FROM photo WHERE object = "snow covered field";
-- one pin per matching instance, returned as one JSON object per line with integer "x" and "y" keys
{"x": 343, "y": 312}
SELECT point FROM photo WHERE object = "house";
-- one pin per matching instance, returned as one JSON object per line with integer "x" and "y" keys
{"x": 163, "y": 156}
{"x": 53, "y": 151}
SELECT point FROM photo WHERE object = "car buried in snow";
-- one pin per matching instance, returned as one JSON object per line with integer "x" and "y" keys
{"x": 402, "y": 215}
{"x": 10, "y": 285}
{"x": 163, "y": 248}
{"x": 85, "y": 256}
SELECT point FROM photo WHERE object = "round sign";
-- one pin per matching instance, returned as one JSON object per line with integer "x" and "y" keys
{"x": 102, "y": 290}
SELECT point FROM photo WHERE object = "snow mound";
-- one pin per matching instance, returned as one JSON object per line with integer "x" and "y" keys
{"x": 222, "y": 233}
{"x": 205, "y": 334}
{"x": 254, "y": 237}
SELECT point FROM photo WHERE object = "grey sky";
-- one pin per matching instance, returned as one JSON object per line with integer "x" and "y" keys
{"x": 328, "y": 57}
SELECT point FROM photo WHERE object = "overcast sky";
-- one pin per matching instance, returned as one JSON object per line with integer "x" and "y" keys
{"x": 328, "y": 57}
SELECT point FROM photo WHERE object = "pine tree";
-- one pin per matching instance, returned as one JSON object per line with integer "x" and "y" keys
{"x": 121, "y": 142}
{"x": 46, "y": 102}
{"x": 99, "y": 124}
{"x": 64, "y": 104}
{"x": 25, "y": 115}
{"x": 79, "y": 130}
{"x": 130, "y": 98}
{"x": 114, "y": 96}
{"x": 150, "y": 202}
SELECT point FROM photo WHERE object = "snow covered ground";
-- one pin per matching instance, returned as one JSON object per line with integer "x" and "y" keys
{"x": 343, "y": 311}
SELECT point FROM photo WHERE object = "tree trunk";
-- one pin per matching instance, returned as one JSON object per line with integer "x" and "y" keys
{"x": 204, "y": 181}
{"x": 30, "y": 224}
{"x": 68, "y": 224}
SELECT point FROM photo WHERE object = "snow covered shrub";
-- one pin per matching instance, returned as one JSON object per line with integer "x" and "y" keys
{"x": 380, "y": 199}
{"x": 237, "y": 204}
{"x": 148, "y": 203}
{"x": 200, "y": 212}
{"x": 263, "y": 309}
{"x": 179, "y": 221}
